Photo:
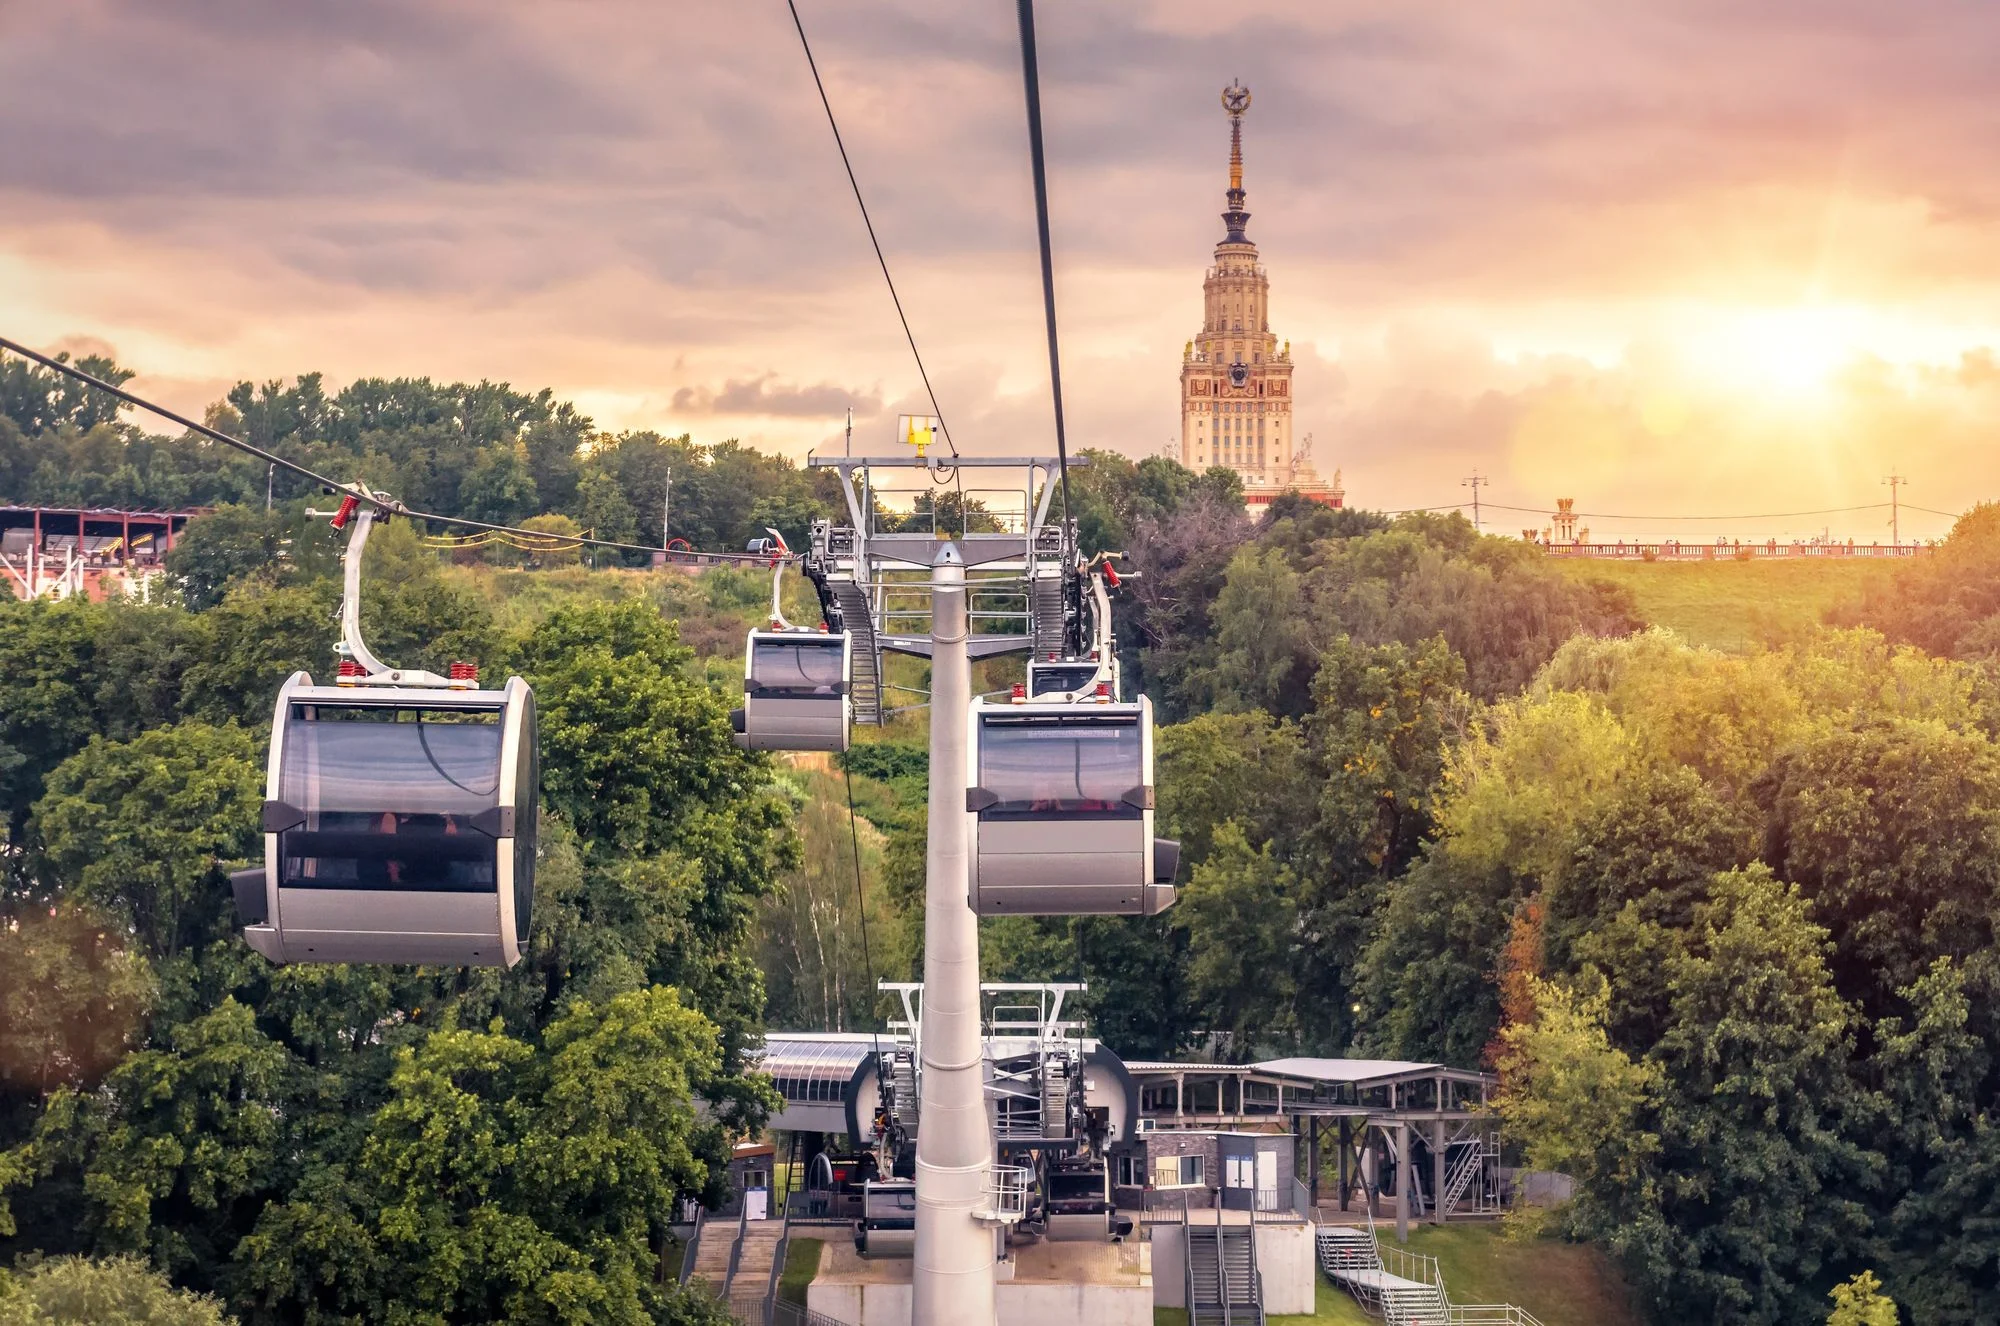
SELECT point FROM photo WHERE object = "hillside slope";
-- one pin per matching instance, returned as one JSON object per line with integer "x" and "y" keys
{"x": 1735, "y": 606}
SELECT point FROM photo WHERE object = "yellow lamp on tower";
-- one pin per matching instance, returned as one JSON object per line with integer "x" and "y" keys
{"x": 917, "y": 430}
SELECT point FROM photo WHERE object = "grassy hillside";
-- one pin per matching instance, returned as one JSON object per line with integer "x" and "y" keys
{"x": 1734, "y": 606}
{"x": 1562, "y": 1284}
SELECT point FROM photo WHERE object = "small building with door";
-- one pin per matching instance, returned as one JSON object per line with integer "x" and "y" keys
{"x": 751, "y": 1166}
{"x": 1237, "y": 1171}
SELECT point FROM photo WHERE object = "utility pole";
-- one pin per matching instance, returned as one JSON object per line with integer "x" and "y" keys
{"x": 1895, "y": 481}
{"x": 270, "y": 476}
{"x": 850, "y": 431}
{"x": 1475, "y": 483}
{"x": 952, "y": 1280}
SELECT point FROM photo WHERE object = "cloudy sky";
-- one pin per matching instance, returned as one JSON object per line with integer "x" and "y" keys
{"x": 1699, "y": 256}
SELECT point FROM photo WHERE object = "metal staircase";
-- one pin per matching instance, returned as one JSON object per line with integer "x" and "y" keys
{"x": 1045, "y": 601}
{"x": 859, "y": 622}
{"x": 1403, "y": 1288}
{"x": 1472, "y": 1172}
{"x": 1203, "y": 1253}
{"x": 1242, "y": 1285}
{"x": 1224, "y": 1287}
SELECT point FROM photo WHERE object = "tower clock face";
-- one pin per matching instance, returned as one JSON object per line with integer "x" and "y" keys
{"x": 1239, "y": 374}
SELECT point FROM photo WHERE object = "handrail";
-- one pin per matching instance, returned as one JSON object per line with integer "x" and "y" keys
{"x": 778, "y": 1262}
{"x": 694, "y": 1244}
{"x": 736, "y": 1248}
{"x": 1187, "y": 1249}
{"x": 1221, "y": 1267}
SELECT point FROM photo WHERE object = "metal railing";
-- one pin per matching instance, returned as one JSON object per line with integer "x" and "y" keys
{"x": 694, "y": 1244}
{"x": 792, "y": 1314}
{"x": 1006, "y": 1194}
{"x": 1498, "y": 1314}
{"x": 736, "y": 1248}
{"x": 1289, "y": 1205}
{"x": 778, "y": 1261}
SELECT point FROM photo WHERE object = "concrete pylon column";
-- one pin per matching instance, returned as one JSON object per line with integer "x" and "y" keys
{"x": 1403, "y": 1173}
{"x": 1437, "y": 1171}
{"x": 952, "y": 1277}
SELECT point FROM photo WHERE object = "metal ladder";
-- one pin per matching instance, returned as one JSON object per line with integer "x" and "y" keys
{"x": 859, "y": 623}
{"x": 1045, "y": 600}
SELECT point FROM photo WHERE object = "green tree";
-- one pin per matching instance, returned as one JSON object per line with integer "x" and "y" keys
{"x": 501, "y": 1181}
{"x": 46, "y": 714}
{"x": 618, "y": 668}
{"x": 1576, "y": 1103}
{"x": 1861, "y": 1302}
{"x": 222, "y": 547}
{"x": 259, "y": 636}
{"x": 180, "y": 1147}
{"x": 500, "y": 486}
{"x": 72, "y": 1291}
{"x": 73, "y": 998}
{"x": 1240, "y": 914}
{"x": 1893, "y": 832}
{"x": 143, "y": 828}
{"x": 1755, "y": 1065}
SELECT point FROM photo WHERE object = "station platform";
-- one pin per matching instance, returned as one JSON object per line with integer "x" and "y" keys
{"x": 1052, "y": 1282}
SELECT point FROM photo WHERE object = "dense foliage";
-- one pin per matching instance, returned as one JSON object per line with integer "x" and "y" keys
{"x": 1725, "y": 924}
{"x": 339, "y": 1144}
{"x": 484, "y": 451}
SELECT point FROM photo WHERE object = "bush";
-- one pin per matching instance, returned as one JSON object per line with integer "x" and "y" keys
{"x": 119, "y": 1289}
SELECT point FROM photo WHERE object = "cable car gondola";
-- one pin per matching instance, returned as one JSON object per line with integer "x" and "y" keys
{"x": 795, "y": 691}
{"x": 1060, "y": 806}
{"x": 1057, "y": 676}
{"x": 399, "y": 826}
{"x": 399, "y": 813}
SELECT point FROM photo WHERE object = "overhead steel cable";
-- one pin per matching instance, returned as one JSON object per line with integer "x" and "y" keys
{"x": 111, "y": 388}
{"x": 867, "y": 221}
{"x": 1759, "y": 515}
{"x": 1031, "y": 81}
{"x": 861, "y": 906}
{"x": 386, "y": 505}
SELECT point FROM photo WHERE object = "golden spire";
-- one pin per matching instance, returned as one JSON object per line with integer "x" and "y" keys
{"x": 1236, "y": 100}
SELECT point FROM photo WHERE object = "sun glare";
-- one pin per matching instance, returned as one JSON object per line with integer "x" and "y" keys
{"x": 1791, "y": 352}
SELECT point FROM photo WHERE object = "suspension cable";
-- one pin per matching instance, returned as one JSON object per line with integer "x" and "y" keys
{"x": 1031, "y": 79}
{"x": 861, "y": 907}
{"x": 860, "y": 202}
{"x": 385, "y": 505}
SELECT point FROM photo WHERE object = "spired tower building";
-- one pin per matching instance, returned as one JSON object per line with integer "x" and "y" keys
{"x": 1236, "y": 382}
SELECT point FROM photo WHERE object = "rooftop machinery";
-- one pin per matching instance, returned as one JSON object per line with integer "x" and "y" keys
{"x": 1054, "y": 1103}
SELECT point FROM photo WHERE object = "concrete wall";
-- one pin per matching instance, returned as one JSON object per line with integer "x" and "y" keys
{"x": 1019, "y": 1304}
{"x": 1285, "y": 1257}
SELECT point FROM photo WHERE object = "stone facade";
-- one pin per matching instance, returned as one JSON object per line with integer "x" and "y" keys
{"x": 1164, "y": 1165}
{"x": 1236, "y": 379}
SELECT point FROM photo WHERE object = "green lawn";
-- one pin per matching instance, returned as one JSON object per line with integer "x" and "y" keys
{"x": 1735, "y": 606}
{"x": 1562, "y": 1284}
{"x": 801, "y": 1265}
{"x": 1334, "y": 1308}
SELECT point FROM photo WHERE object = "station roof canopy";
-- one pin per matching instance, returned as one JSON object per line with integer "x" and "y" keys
{"x": 1349, "y": 1070}
{"x": 815, "y": 1056}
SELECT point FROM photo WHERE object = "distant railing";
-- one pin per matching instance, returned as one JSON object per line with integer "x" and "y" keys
{"x": 1500, "y": 1314}
{"x": 1674, "y": 551}
{"x": 808, "y": 1207}
{"x": 792, "y": 1314}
